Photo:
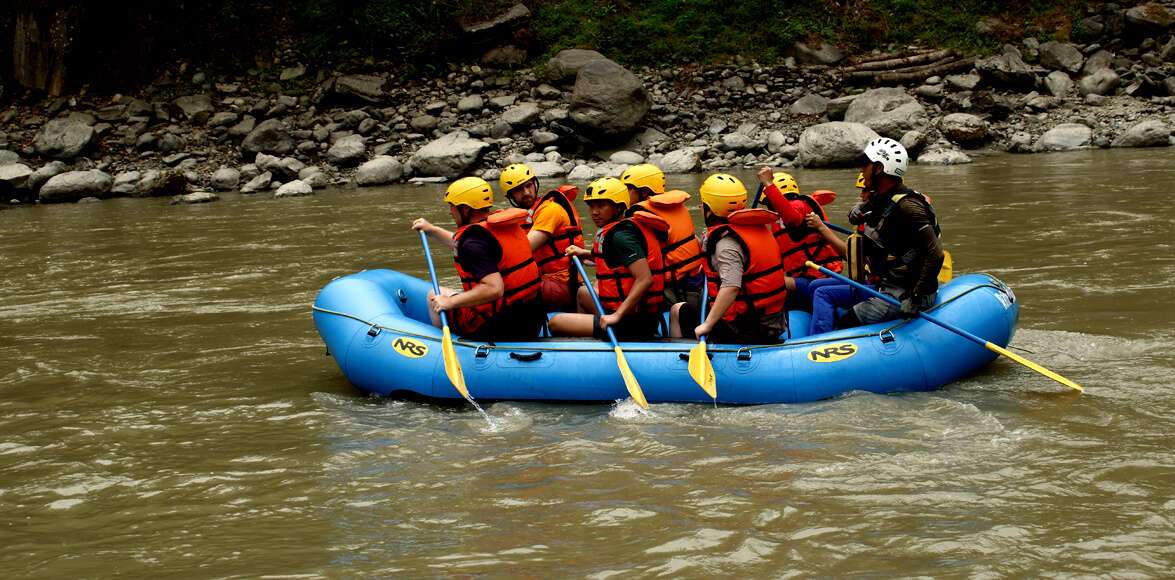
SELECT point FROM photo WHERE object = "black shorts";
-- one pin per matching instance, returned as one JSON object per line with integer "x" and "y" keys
{"x": 749, "y": 328}
{"x": 514, "y": 323}
{"x": 635, "y": 326}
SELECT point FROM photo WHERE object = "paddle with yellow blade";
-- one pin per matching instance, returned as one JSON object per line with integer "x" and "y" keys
{"x": 452, "y": 365}
{"x": 700, "y": 368}
{"x": 959, "y": 331}
{"x": 634, "y": 388}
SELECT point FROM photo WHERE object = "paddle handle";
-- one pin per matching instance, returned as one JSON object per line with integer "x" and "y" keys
{"x": 432, "y": 274}
{"x": 837, "y": 228}
{"x": 595, "y": 299}
{"x": 758, "y": 194}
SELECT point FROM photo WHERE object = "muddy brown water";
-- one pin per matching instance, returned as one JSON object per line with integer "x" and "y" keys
{"x": 166, "y": 408}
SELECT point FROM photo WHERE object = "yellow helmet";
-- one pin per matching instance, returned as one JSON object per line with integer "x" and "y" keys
{"x": 513, "y": 176}
{"x": 608, "y": 188}
{"x": 645, "y": 175}
{"x": 471, "y": 191}
{"x": 860, "y": 181}
{"x": 723, "y": 193}
{"x": 785, "y": 182}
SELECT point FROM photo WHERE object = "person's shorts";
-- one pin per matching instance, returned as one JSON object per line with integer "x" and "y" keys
{"x": 747, "y": 329}
{"x": 875, "y": 310}
{"x": 635, "y": 326}
{"x": 518, "y": 322}
{"x": 557, "y": 296}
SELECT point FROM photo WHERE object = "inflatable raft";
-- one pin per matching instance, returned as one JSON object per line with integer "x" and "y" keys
{"x": 375, "y": 325}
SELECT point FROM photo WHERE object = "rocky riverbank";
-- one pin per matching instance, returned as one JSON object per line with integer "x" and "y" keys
{"x": 581, "y": 115}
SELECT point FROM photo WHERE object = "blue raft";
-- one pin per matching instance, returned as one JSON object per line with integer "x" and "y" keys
{"x": 375, "y": 324}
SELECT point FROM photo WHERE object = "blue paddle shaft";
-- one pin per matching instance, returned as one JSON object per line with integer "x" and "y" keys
{"x": 758, "y": 194}
{"x": 837, "y": 228}
{"x": 894, "y": 301}
{"x": 702, "y": 308}
{"x": 592, "y": 292}
{"x": 432, "y": 273}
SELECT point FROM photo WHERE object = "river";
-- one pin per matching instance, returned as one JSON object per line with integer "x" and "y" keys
{"x": 166, "y": 408}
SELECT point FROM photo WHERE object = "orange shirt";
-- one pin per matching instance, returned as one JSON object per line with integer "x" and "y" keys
{"x": 548, "y": 218}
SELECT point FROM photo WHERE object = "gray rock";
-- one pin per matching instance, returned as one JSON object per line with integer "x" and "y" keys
{"x": 680, "y": 161}
{"x": 833, "y": 144}
{"x": 223, "y": 119}
{"x": 1102, "y": 82}
{"x": 888, "y": 111}
{"x": 523, "y": 115}
{"x": 449, "y": 156}
{"x": 1169, "y": 82}
{"x": 965, "y": 82}
{"x": 195, "y": 197}
{"x": 1167, "y": 53}
{"x": 626, "y": 158}
{"x": 246, "y": 126}
{"x": 126, "y": 182}
{"x": 369, "y": 88}
{"x": 284, "y": 169}
{"x": 504, "y": 56}
{"x": 734, "y": 84}
{"x": 503, "y": 102}
{"x": 544, "y": 169}
{"x": 1061, "y": 56}
{"x": 74, "y": 185}
{"x": 821, "y": 53}
{"x": 582, "y": 173}
{"x": 1058, "y": 83}
{"x": 1021, "y": 142}
{"x": 608, "y": 101}
{"x": 259, "y": 183}
{"x": 249, "y": 171}
{"x": 380, "y": 171}
{"x": 1097, "y": 61}
{"x": 1149, "y": 133}
{"x": 471, "y": 104}
{"x": 63, "y": 138}
{"x": 839, "y": 106}
{"x": 295, "y": 188}
{"x": 545, "y": 91}
{"x": 14, "y": 176}
{"x": 943, "y": 154}
{"x": 742, "y": 143}
{"x": 226, "y": 179}
{"x": 316, "y": 179}
{"x": 915, "y": 141}
{"x": 565, "y": 65}
{"x": 157, "y": 183}
{"x": 7, "y": 157}
{"x": 1007, "y": 70}
{"x": 1150, "y": 17}
{"x": 270, "y": 136}
{"x": 292, "y": 72}
{"x": 350, "y": 150}
{"x": 966, "y": 130}
{"x": 197, "y": 109}
{"x": 44, "y": 173}
{"x": 544, "y": 138}
{"x": 809, "y": 104}
{"x": 775, "y": 141}
{"x": 423, "y": 123}
{"x": 1065, "y": 137}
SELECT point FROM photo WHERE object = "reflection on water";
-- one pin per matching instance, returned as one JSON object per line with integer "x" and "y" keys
{"x": 166, "y": 407}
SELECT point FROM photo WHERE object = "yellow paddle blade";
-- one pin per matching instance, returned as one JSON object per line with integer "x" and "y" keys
{"x": 1034, "y": 366}
{"x": 634, "y": 388}
{"x": 948, "y": 268}
{"x": 452, "y": 365}
{"x": 701, "y": 370}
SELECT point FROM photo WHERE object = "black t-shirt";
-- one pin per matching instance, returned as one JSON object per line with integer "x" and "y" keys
{"x": 478, "y": 252}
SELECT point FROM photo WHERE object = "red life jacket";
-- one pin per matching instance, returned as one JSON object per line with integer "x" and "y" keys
{"x": 613, "y": 284}
{"x": 683, "y": 250}
{"x": 764, "y": 283}
{"x": 800, "y": 244}
{"x": 549, "y": 256}
{"x": 520, "y": 275}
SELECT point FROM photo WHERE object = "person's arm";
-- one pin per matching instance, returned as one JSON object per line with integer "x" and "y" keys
{"x": 926, "y": 243}
{"x": 643, "y": 279}
{"x": 436, "y": 232}
{"x": 548, "y": 218}
{"x": 813, "y": 221}
{"x": 722, "y": 303}
{"x": 729, "y": 261}
{"x": 489, "y": 289}
{"x": 779, "y": 204}
{"x": 536, "y": 238}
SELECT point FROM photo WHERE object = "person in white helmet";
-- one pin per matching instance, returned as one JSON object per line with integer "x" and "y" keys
{"x": 905, "y": 254}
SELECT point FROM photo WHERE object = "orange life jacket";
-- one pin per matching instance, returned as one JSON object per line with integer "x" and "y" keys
{"x": 683, "y": 250}
{"x": 764, "y": 283}
{"x": 520, "y": 275}
{"x": 613, "y": 284}
{"x": 549, "y": 256}
{"x": 798, "y": 245}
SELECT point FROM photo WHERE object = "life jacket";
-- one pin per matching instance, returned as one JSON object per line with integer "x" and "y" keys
{"x": 683, "y": 251}
{"x": 613, "y": 284}
{"x": 800, "y": 244}
{"x": 887, "y": 258}
{"x": 550, "y": 255}
{"x": 520, "y": 274}
{"x": 764, "y": 282}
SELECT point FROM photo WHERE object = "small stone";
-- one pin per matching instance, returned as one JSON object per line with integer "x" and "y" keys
{"x": 626, "y": 158}
{"x": 259, "y": 183}
{"x": 295, "y": 188}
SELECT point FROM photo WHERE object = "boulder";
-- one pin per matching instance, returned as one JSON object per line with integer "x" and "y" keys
{"x": 197, "y": 109}
{"x": 259, "y": 183}
{"x": 244, "y": 127}
{"x": 451, "y": 156}
{"x": 626, "y": 158}
{"x": 833, "y": 144}
{"x": 545, "y": 169}
{"x": 223, "y": 119}
{"x": 581, "y": 173}
{"x": 1097, "y": 61}
{"x": 42, "y": 175}
{"x": 282, "y": 169}
{"x": 822, "y": 53}
{"x": 1149, "y": 133}
{"x": 943, "y": 154}
{"x": 544, "y": 138}
{"x": 295, "y": 188}
{"x": 368, "y": 88}
{"x": 1061, "y": 56}
{"x": 523, "y": 115}
{"x": 1059, "y": 84}
{"x": 379, "y": 171}
{"x": 1150, "y": 17}
{"x": 508, "y": 56}
{"x": 13, "y": 177}
{"x": 915, "y": 141}
{"x": 565, "y": 65}
{"x": 809, "y": 104}
{"x": 423, "y": 123}
{"x": 608, "y": 100}
{"x": 1007, "y": 70}
{"x": 888, "y": 111}
{"x": 680, "y": 161}
{"x": 839, "y": 106}
{"x": 195, "y": 197}
{"x": 226, "y": 179}
{"x": 741, "y": 143}
{"x": 1065, "y": 137}
{"x": 471, "y": 104}
{"x": 7, "y": 157}
{"x": 966, "y": 130}
{"x": 74, "y": 185}
{"x": 126, "y": 182}
{"x": 316, "y": 178}
{"x": 63, "y": 138}
{"x": 158, "y": 183}
{"x": 348, "y": 151}
{"x": 270, "y": 136}
{"x": 1101, "y": 82}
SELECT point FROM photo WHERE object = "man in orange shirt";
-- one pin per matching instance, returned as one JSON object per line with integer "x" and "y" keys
{"x": 554, "y": 225}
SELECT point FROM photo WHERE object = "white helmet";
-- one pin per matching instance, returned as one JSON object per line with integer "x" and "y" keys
{"x": 890, "y": 154}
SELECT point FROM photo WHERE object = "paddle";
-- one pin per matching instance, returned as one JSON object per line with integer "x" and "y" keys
{"x": 634, "y": 388}
{"x": 699, "y": 363}
{"x": 452, "y": 365}
{"x": 959, "y": 331}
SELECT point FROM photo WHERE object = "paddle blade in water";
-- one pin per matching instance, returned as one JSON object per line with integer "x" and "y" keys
{"x": 701, "y": 370}
{"x": 452, "y": 365}
{"x": 634, "y": 388}
{"x": 1035, "y": 367}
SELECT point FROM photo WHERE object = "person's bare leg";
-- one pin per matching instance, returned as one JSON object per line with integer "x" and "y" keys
{"x": 675, "y": 320}
{"x": 572, "y": 324}
{"x": 585, "y": 301}
{"x": 432, "y": 314}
